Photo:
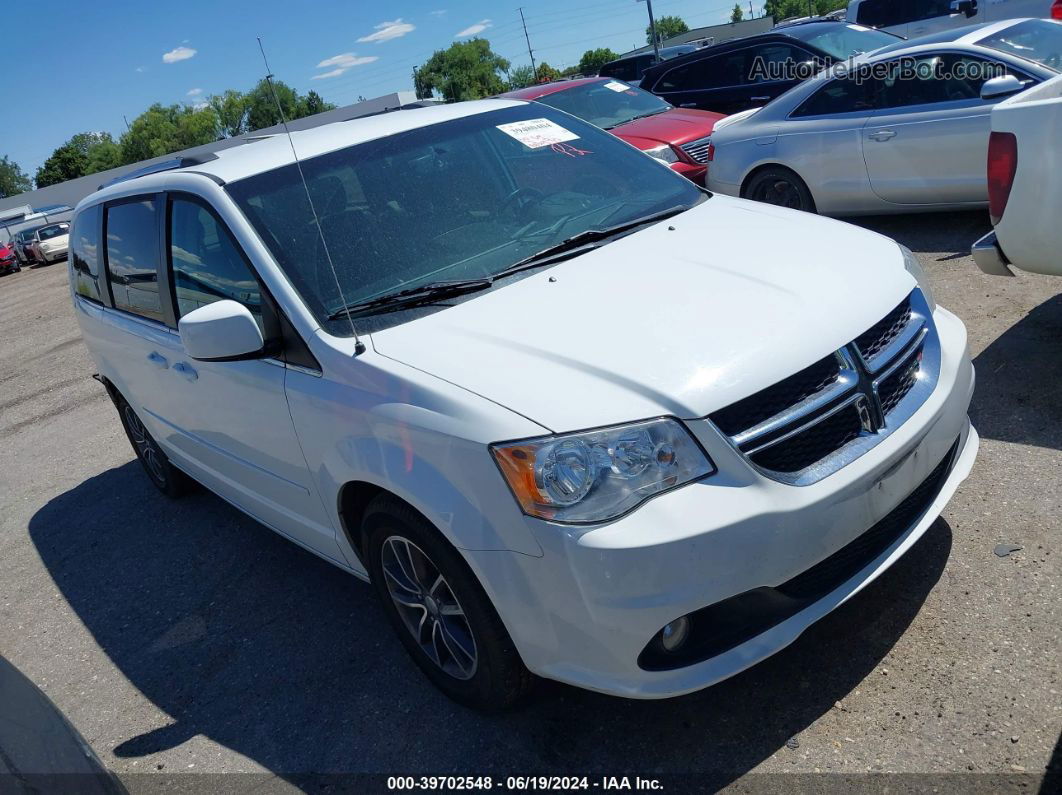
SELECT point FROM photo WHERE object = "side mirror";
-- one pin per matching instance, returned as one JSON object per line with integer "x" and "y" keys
{"x": 1001, "y": 87}
{"x": 965, "y": 7}
{"x": 221, "y": 331}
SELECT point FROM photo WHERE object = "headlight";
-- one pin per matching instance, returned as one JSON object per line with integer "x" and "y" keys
{"x": 593, "y": 476}
{"x": 914, "y": 267}
{"x": 665, "y": 154}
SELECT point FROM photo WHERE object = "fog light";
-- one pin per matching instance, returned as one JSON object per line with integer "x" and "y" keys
{"x": 674, "y": 634}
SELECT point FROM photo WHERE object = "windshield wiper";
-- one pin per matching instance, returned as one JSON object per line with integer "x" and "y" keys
{"x": 414, "y": 296}
{"x": 585, "y": 241}
{"x": 640, "y": 116}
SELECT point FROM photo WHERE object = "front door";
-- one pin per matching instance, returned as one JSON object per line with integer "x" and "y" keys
{"x": 228, "y": 423}
{"x": 928, "y": 142}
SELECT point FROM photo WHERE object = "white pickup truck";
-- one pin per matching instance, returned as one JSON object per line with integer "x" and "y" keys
{"x": 1025, "y": 184}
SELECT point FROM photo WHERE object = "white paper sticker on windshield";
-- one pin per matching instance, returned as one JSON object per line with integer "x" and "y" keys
{"x": 536, "y": 133}
{"x": 615, "y": 86}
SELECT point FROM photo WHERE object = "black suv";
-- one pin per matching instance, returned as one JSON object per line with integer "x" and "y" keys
{"x": 632, "y": 67}
{"x": 751, "y": 71}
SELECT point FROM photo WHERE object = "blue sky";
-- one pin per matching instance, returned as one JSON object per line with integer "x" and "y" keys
{"x": 114, "y": 58}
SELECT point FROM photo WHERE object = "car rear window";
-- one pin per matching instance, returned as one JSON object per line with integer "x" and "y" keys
{"x": 1037, "y": 40}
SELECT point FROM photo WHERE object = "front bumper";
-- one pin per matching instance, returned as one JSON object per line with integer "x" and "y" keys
{"x": 989, "y": 256}
{"x": 585, "y": 610}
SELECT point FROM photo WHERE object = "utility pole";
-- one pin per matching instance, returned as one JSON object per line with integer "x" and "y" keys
{"x": 126, "y": 121}
{"x": 652, "y": 31}
{"x": 530, "y": 53}
{"x": 752, "y": 12}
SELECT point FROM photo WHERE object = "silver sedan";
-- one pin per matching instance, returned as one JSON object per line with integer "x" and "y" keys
{"x": 904, "y": 129}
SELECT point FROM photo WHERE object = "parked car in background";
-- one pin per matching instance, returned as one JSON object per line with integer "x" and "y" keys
{"x": 570, "y": 414}
{"x": 905, "y": 130}
{"x": 1024, "y": 185}
{"x": 8, "y": 260}
{"x": 751, "y": 71}
{"x": 50, "y": 243}
{"x": 915, "y": 18}
{"x": 23, "y": 245}
{"x": 631, "y": 68}
{"x": 676, "y": 137}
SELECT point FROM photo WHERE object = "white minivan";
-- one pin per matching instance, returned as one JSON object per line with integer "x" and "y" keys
{"x": 914, "y": 18}
{"x": 572, "y": 415}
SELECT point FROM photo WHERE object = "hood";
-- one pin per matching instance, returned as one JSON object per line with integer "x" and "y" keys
{"x": 675, "y": 126}
{"x": 664, "y": 322}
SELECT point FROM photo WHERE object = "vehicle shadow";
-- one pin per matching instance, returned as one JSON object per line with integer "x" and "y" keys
{"x": 1019, "y": 381}
{"x": 931, "y": 232}
{"x": 242, "y": 637}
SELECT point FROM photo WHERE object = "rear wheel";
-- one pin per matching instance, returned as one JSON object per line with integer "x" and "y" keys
{"x": 781, "y": 187}
{"x": 166, "y": 477}
{"x": 439, "y": 610}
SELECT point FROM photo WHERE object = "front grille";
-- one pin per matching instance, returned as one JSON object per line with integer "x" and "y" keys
{"x": 878, "y": 337}
{"x": 766, "y": 403}
{"x": 812, "y": 445}
{"x": 723, "y": 626}
{"x": 795, "y": 431}
{"x": 698, "y": 149}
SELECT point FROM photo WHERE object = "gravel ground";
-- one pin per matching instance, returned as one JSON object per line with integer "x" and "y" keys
{"x": 182, "y": 637}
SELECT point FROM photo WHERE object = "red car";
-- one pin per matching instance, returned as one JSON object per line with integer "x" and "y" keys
{"x": 8, "y": 260}
{"x": 676, "y": 136}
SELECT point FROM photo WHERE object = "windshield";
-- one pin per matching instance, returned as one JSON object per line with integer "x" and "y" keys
{"x": 842, "y": 41}
{"x": 607, "y": 103}
{"x": 1037, "y": 40}
{"x": 52, "y": 231}
{"x": 462, "y": 199}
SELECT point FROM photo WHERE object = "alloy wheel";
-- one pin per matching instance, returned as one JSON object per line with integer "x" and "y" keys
{"x": 428, "y": 607}
{"x": 780, "y": 192}
{"x": 145, "y": 445}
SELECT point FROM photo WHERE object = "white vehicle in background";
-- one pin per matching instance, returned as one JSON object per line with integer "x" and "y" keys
{"x": 914, "y": 18}
{"x": 1024, "y": 185}
{"x": 51, "y": 242}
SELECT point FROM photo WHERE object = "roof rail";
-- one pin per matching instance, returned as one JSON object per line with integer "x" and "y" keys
{"x": 165, "y": 165}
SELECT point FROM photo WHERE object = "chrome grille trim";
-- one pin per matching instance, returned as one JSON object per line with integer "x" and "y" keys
{"x": 698, "y": 149}
{"x": 857, "y": 389}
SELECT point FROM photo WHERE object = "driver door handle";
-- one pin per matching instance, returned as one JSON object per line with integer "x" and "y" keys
{"x": 158, "y": 360}
{"x": 882, "y": 135}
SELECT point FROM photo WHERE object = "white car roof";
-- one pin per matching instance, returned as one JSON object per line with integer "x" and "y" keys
{"x": 273, "y": 151}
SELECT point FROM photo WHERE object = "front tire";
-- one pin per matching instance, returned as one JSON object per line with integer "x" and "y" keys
{"x": 167, "y": 478}
{"x": 439, "y": 610}
{"x": 781, "y": 187}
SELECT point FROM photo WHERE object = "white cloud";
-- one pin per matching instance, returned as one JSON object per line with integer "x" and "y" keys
{"x": 139, "y": 69}
{"x": 195, "y": 92}
{"x": 200, "y": 105}
{"x": 439, "y": 13}
{"x": 386, "y": 31}
{"x": 472, "y": 30}
{"x": 347, "y": 60}
{"x": 178, "y": 54}
{"x": 326, "y": 75}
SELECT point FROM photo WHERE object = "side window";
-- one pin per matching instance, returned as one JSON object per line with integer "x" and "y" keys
{"x": 938, "y": 78}
{"x": 840, "y": 95}
{"x": 717, "y": 71}
{"x": 206, "y": 262}
{"x": 85, "y": 253}
{"x": 773, "y": 62}
{"x": 930, "y": 9}
{"x": 133, "y": 257}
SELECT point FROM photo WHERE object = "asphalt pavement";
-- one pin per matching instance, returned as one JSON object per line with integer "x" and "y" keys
{"x": 183, "y": 640}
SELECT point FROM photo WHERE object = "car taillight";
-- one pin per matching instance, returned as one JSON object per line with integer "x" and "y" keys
{"x": 1056, "y": 9}
{"x": 1002, "y": 164}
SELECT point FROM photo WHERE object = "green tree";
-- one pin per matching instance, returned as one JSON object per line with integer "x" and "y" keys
{"x": 521, "y": 77}
{"x": 262, "y": 107}
{"x": 666, "y": 27}
{"x": 163, "y": 129}
{"x": 465, "y": 70}
{"x": 593, "y": 60}
{"x": 13, "y": 180}
{"x": 784, "y": 9}
{"x": 547, "y": 74}
{"x": 85, "y": 153}
{"x": 231, "y": 110}
{"x": 737, "y": 14}
{"x": 312, "y": 104}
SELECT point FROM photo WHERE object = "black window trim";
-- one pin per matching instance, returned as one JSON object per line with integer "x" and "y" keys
{"x": 165, "y": 295}
{"x": 796, "y": 44}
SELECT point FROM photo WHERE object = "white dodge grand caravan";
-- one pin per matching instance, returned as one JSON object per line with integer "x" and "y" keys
{"x": 571, "y": 414}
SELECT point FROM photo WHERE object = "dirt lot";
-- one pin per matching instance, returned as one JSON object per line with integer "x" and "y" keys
{"x": 181, "y": 637}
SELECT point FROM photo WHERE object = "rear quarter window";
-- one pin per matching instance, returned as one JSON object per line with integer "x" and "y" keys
{"x": 85, "y": 253}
